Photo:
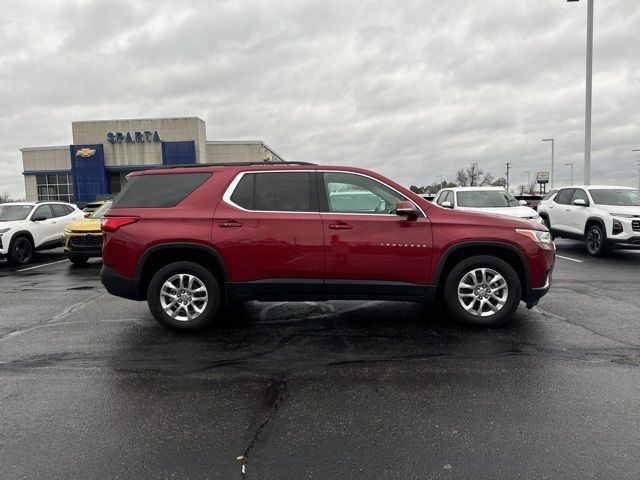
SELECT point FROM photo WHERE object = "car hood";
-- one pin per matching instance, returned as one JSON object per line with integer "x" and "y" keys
{"x": 13, "y": 224}
{"x": 613, "y": 209}
{"x": 85, "y": 225}
{"x": 519, "y": 212}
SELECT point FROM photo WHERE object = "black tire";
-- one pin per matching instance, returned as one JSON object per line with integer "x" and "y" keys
{"x": 20, "y": 251}
{"x": 78, "y": 259}
{"x": 509, "y": 300}
{"x": 596, "y": 241}
{"x": 204, "y": 277}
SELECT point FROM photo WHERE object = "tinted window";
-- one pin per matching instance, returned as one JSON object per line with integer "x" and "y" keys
{"x": 43, "y": 211}
{"x": 549, "y": 195}
{"x": 580, "y": 194}
{"x": 69, "y": 209}
{"x": 351, "y": 193}
{"x": 58, "y": 210}
{"x": 564, "y": 196}
{"x": 277, "y": 192}
{"x": 620, "y": 197}
{"x": 158, "y": 191}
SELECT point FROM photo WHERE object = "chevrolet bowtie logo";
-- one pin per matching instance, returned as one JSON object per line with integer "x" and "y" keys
{"x": 85, "y": 152}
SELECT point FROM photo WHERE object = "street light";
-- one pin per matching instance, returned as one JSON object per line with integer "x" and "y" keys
{"x": 571, "y": 171}
{"x": 552, "y": 152}
{"x": 638, "y": 163}
{"x": 587, "y": 103}
{"x": 441, "y": 181}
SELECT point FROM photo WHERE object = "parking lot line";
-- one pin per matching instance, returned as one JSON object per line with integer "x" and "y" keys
{"x": 43, "y": 265}
{"x": 570, "y": 259}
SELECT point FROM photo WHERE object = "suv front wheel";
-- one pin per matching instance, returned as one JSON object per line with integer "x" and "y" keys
{"x": 184, "y": 296}
{"x": 482, "y": 291}
{"x": 595, "y": 241}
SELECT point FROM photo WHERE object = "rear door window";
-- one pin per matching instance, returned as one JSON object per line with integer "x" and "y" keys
{"x": 277, "y": 192}
{"x": 158, "y": 191}
{"x": 43, "y": 211}
{"x": 58, "y": 210}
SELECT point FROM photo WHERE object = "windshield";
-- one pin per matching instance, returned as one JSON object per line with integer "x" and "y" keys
{"x": 99, "y": 213}
{"x": 619, "y": 197}
{"x": 486, "y": 199}
{"x": 10, "y": 213}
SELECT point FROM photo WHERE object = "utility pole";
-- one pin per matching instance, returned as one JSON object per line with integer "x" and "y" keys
{"x": 528, "y": 180}
{"x": 508, "y": 164}
{"x": 441, "y": 181}
{"x": 571, "y": 164}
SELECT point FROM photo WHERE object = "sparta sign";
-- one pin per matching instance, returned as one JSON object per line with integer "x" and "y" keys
{"x": 543, "y": 177}
{"x": 133, "y": 137}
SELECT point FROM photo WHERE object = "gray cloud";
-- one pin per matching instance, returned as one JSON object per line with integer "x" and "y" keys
{"x": 414, "y": 89}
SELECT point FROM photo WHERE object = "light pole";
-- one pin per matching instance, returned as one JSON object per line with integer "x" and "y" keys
{"x": 587, "y": 103}
{"x": 441, "y": 181}
{"x": 528, "y": 180}
{"x": 638, "y": 163}
{"x": 508, "y": 164}
{"x": 552, "y": 140}
{"x": 571, "y": 171}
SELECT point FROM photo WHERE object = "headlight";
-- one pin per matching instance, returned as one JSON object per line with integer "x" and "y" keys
{"x": 66, "y": 230}
{"x": 536, "y": 235}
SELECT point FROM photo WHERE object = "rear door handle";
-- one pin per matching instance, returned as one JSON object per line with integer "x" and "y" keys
{"x": 340, "y": 226}
{"x": 230, "y": 224}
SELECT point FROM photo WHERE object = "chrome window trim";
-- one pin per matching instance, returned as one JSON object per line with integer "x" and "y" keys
{"x": 234, "y": 183}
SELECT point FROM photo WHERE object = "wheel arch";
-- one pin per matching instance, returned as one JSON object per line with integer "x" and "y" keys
{"x": 504, "y": 251}
{"x": 595, "y": 221}
{"x": 163, "y": 254}
{"x": 23, "y": 233}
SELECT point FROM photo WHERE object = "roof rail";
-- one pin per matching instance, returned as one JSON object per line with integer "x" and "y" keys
{"x": 229, "y": 164}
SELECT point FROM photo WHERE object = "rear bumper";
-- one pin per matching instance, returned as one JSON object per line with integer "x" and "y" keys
{"x": 120, "y": 286}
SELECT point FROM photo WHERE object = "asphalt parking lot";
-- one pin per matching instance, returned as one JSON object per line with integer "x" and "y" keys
{"x": 92, "y": 387}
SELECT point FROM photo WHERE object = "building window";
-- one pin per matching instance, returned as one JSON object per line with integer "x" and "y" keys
{"x": 116, "y": 185}
{"x": 55, "y": 186}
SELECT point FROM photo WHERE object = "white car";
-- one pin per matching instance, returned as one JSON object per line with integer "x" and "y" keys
{"x": 26, "y": 227}
{"x": 601, "y": 216}
{"x": 494, "y": 200}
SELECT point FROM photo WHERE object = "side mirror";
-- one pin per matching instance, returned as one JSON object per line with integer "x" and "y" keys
{"x": 407, "y": 209}
{"x": 446, "y": 205}
{"x": 38, "y": 219}
{"x": 523, "y": 202}
{"x": 580, "y": 202}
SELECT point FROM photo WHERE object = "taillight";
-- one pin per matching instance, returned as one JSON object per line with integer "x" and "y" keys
{"x": 111, "y": 224}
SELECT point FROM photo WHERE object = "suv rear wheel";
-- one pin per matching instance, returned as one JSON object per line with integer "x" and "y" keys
{"x": 482, "y": 291}
{"x": 184, "y": 296}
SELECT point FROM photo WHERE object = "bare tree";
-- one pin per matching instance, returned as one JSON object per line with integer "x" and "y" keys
{"x": 462, "y": 179}
{"x": 5, "y": 197}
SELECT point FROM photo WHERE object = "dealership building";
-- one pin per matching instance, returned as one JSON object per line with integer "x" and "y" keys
{"x": 103, "y": 152}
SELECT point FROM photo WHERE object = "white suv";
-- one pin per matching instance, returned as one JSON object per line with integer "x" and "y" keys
{"x": 601, "y": 216}
{"x": 27, "y": 227}
{"x": 494, "y": 200}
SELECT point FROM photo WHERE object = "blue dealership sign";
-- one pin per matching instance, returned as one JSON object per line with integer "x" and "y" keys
{"x": 89, "y": 175}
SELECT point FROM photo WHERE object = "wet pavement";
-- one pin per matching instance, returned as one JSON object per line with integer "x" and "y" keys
{"x": 92, "y": 387}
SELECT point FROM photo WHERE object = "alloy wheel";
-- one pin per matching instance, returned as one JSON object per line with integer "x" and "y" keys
{"x": 23, "y": 250}
{"x": 594, "y": 240}
{"x": 184, "y": 297}
{"x": 483, "y": 292}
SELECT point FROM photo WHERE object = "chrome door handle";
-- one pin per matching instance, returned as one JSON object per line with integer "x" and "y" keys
{"x": 230, "y": 224}
{"x": 340, "y": 226}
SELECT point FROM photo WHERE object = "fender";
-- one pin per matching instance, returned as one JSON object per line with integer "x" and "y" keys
{"x": 597, "y": 220}
{"x": 488, "y": 243}
{"x": 183, "y": 245}
{"x": 23, "y": 233}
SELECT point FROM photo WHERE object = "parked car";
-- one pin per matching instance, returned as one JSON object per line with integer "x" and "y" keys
{"x": 530, "y": 200}
{"x": 91, "y": 207}
{"x": 187, "y": 239}
{"x": 83, "y": 239}
{"x": 602, "y": 216}
{"x": 494, "y": 200}
{"x": 28, "y": 227}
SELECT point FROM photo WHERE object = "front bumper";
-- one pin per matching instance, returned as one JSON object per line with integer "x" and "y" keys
{"x": 120, "y": 286}
{"x": 533, "y": 295}
{"x": 83, "y": 243}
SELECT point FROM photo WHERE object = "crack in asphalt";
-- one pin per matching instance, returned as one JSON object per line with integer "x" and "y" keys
{"x": 66, "y": 312}
{"x": 274, "y": 396}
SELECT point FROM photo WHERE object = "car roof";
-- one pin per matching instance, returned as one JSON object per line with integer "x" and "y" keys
{"x": 615, "y": 187}
{"x": 473, "y": 189}
{"x": 30, "y": 204}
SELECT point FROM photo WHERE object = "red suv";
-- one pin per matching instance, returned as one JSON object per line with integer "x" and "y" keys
{"x": 187, "y": 239}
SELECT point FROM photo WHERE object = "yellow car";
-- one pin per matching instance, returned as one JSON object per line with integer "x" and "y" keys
{"x": 83, "y": 239}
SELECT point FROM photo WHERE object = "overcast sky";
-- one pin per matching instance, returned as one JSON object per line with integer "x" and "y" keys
{"x": 413, "y": 89}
